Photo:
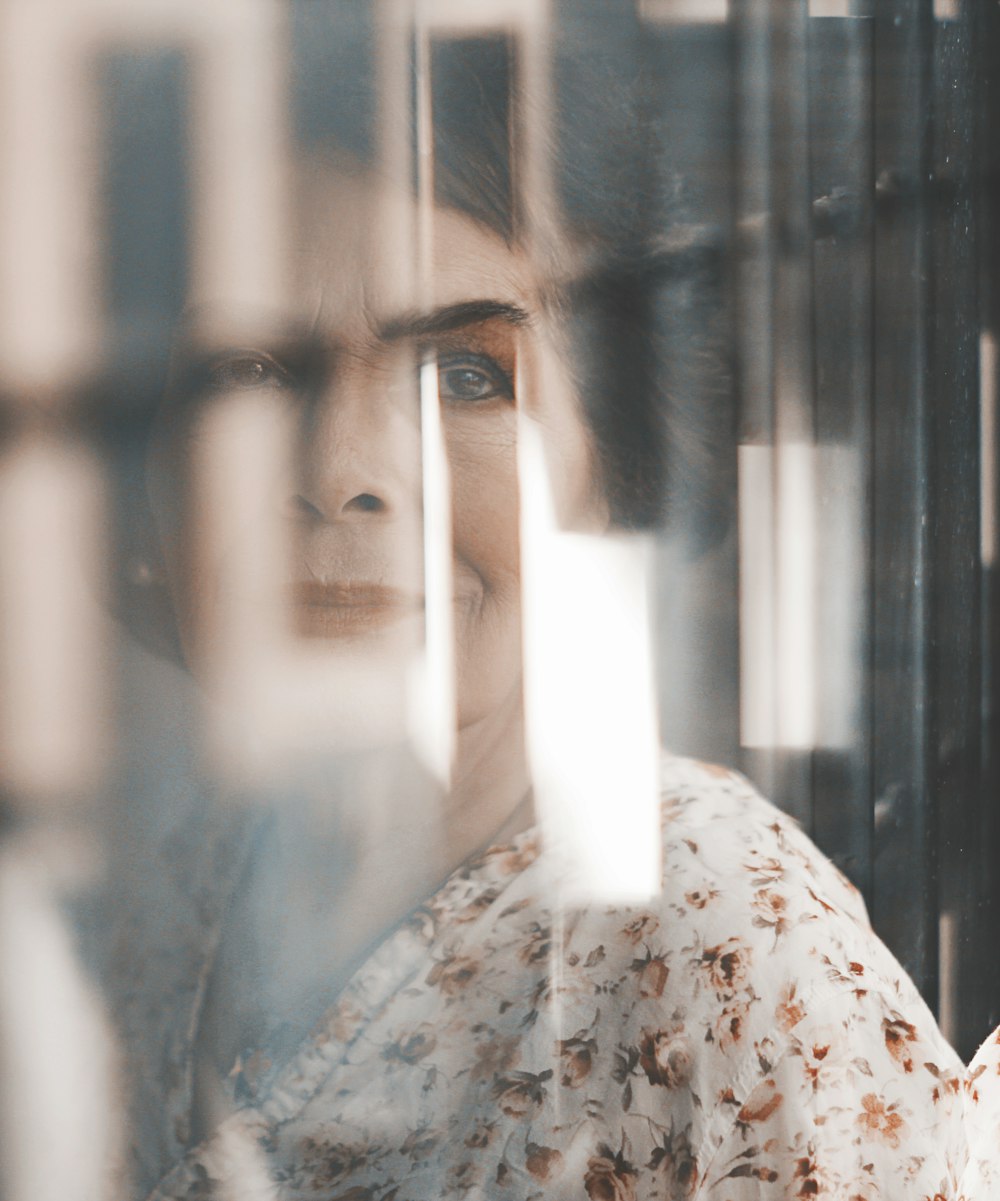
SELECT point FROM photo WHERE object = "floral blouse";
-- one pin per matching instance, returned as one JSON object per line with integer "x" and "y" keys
{"x": 981, "y": 1181}
{"x": 745, "y": 1035}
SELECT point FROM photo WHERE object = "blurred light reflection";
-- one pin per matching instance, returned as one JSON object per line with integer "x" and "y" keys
{"x": 592, "y": 731}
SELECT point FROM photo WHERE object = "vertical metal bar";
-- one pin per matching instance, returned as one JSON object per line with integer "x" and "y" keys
{"x": 440, "y": 702}
{"x": 843, "y": 214}
{"x": 798, "y": 555}
{"x": 986, "y": 31}
{"x": 903, "y": 892}
{"x": 753, "y": 286}
{"x": 777, "y": 382}
{"x": 956, "y": 653}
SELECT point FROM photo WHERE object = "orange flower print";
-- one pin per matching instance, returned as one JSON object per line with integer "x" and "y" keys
{"x": 790, "y": 1010}
{"x": 810, "y": 1179}
{"x": 641, "y": 928}
{"x": 477, "y": 906}
{"x": 674, "y": 1159}
{"x": 453, "y": 974}
{"x": 970, "y": 1083}
{"x": 764, "y": 1101}
{"x": 341, "y": 1022}
{"x": 825, "y": 1053}
{"x": 544, "y": 1163}
{"x": 728, "y": 1028}
{"x": 728, "y": 966}
{"x": 898, "y": 1034}
{"x": 516, "y": 861}
{"x": 765, "y": 870}
{"x": 770, "y": 910}
{"x": 665, "y": 1056}
{"x": 495, "y": 1056}
{"x": 879, "y": 1122}
{"x": 609, "y": 1177}
{"x": 576, "y": 1057}
{"x": 698, "y": 898}
{"x": 521, "y": 1094}
{"x": 653, "y": 973}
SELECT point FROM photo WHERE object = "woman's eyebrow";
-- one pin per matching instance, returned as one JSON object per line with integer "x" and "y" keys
{"x": 451, "y": 317}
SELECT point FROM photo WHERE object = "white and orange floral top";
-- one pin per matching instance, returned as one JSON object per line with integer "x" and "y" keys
{"x": 981, "y": 1181}
{"x": 744, "y": 1036}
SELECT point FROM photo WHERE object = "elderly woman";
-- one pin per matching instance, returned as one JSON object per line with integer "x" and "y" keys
{"x": 341, "y": 1007}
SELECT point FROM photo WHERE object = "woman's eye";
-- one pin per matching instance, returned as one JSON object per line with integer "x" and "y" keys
{"x": 472, "y": 378}
{"x": 246, "y": 370}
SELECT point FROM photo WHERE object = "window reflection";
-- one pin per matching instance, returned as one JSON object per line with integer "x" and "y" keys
{"x": 416, "y": 414}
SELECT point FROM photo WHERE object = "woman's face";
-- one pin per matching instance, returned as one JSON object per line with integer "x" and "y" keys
{"x": 354, "y": 506}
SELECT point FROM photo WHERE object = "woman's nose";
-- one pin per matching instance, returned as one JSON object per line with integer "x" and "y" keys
{"x": 362, "y": 455}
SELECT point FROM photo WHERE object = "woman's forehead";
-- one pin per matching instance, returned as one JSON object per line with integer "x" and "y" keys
{"x": 366, "y": 253}
{"x": 364, "y": 259}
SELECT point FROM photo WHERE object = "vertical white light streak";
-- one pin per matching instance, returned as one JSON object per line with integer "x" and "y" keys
{"x": 592, "y": 732}
{"x": 240, "y": 272}
{"x": 58, "y": 1091}
{"x": 242, "y": 552}
{"x": 948, "y": 927}
{"x": 590, "y": 715}
{"x": 758, "y": 652}
{"x": 49, "y": 328}
{"x": 988, "y": 449}
{"x": 796, "y": 595}
{"x": 838, "y": 596}
{"x": 433, "y": 716}
{"x": 51, "y": 506}
{"x": 395, "y": 243}
{"x": 53, "y": 736}
{"x": 241, "y": 168}
{"x": 777, "y": 518}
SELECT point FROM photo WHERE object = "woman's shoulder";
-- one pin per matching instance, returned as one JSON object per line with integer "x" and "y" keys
{"x": 718, "y": 827}
{"x": 754, "y": 940}
{"x": 747, "y": 904}
{"x": 753, "y": 994}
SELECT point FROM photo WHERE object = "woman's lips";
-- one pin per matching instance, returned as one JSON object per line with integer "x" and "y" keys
{"x": 335, "y": 610}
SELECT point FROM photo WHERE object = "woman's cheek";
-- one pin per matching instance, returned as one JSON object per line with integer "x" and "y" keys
{"x": 484, "y": 487}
